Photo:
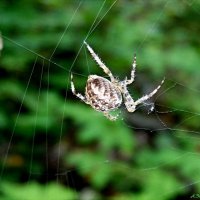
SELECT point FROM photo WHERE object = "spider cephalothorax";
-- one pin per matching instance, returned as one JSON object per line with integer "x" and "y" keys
{"x": 104, "y": 95}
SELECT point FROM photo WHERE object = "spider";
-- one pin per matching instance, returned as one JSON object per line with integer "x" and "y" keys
{"x": 106, "y": 95}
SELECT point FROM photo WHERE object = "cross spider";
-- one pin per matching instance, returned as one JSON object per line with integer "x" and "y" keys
{"x": 104, "y": 95}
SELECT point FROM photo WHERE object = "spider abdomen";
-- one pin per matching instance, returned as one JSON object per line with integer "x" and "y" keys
{"x": 102, "y": 94}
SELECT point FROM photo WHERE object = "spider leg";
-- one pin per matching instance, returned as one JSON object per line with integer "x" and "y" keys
{"x": 148, "y": 96}
{"x": 110, "y": 117}
{"x": 99, "y": 62}
{"x": 129, "y": 81}
{"x": 128, "y": 100}
{"x": 80, "y": 96}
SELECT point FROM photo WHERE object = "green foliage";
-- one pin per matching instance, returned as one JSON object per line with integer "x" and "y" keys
{"x": 49, "y": 136}
{"x": 32, "y": 191}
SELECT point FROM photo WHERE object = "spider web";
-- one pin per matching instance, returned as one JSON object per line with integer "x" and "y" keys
{"x": 170, "y": 142}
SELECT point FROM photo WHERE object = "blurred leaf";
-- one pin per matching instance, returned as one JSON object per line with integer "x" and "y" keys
{"x": 32, "y": 191}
